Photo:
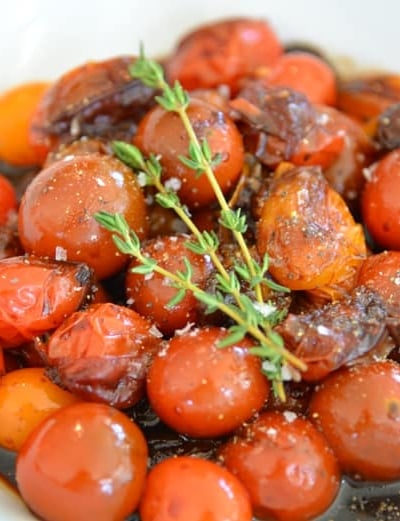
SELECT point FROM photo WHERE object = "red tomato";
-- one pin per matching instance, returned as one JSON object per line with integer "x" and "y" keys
{"x": 162, "y": 133}
{"x": 150, "y": 295}
{"x": 187, "y": 488}
{"x": 286, "y": 465}
{"x": 222, "y": 53}
{"x": 202, "y": 390}
{"x": 358, "y": 411}
{"x": 103, "y": 353}
{"x": 85, "y": 462}
{"x": 37, "y": 295}
{"x": 381, "y": 272}
{"x": 380, "y": 203}
{"x": 8, "y": 200}
{"x": 27, "y": 397}
{"x": 306, "y": 73}
{"x": 81, "y": 186}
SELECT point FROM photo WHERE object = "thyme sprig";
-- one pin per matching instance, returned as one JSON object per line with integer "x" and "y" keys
{"x": 250, "y": 317}
{"x": 247, "y": 318}
{"x": 176, "y": 99}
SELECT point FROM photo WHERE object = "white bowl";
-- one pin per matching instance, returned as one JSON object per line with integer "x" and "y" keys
{"x": 40, "y": 39}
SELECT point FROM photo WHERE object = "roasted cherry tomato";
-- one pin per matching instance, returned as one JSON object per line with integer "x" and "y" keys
{"x": 96, "y": 99}
{"x": 103, "y": 353}
{"x": 36, "y": 295}
{"x": 223, "y": 53}
{"x": 274, "y": 120}
{"x": 336, "y": 334}
{"x": 309, "y": 234}
{"x": 17, "y": 107}
{"x": 380, "y": 204}
{"x": 27, "y": 397}
{"x": 150, "y": 295}
{"x": 381, "y": 272}
{"x": 365, "y": 98}
{"x": 358, "y": 410}
{"x": 306, "y": 73}
{"x": 8, "y": 201}
{"x": 286, "y": 465}
{"x": 81, "y": 186}
{"x": 86, "y": 461}
{"x": 203, "y": 390}
{"x": 187, "y": 488}
{"x": 162, "y": 133}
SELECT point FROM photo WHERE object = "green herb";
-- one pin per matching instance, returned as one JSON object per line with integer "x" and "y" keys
{"x": 251, "y": 317}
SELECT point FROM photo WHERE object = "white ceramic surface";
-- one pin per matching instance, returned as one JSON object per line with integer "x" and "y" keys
{"x": 40, "y": 39}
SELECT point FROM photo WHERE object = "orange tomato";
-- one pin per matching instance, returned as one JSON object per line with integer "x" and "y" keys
{"x": 17, "y": 107}
{"x": 27, "y": 397}
{"x": 306, "y": 228}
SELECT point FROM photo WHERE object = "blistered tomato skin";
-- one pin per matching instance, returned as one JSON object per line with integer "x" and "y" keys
{"x": 286, "y": 466}
{"x": 56, "y": 215}
{"x": 162, "y": 133}
{"x": 27, "y": 397}
{"x": 380, "y": 203}
{"x": 358, "y": 411}
{"x": 103, "y": 354}
{"x": 86, "y": 461}
{"x": 203, "y": 390}
{"x": 95, "y": 99}
{"x": 37, "y": 295}
{"x": 150, "y": 296}
{"x": 223, "y": 53}
{"x": 189, "y": 488}
{"x": 309, "y": 234}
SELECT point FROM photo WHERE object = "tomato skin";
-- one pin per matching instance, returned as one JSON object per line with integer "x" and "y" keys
{"x": 366, "y": 97}
{"x": 86, "y": 461}
{"x": 223, "y": 53}
{"x": 162, "y": 133}
{"x": 357, "y": 409}
{"x": 27, "y": 397}
{"x": 306, "y": 73}
{"x": 286, "y": 465}
{"x": 313, "y": 241}
{"x": 94, "y": 99}
{"x": 36, "y": 295}
{"x": 183, "y": 488}
{"x": 380, "y": 272}
{"x": 380, "y": 205}
{"x": 150, "y": 296}
{"x": 336, "y": 334}
{"x": 202, "y": 390}
{"x": 103, "y": 353}
{"x": 8, "y": 200}
{"x": 17, "y": 107}
{"x": 82, "y": 185}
